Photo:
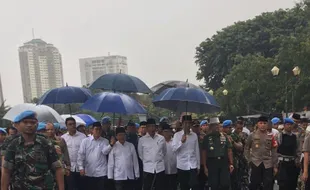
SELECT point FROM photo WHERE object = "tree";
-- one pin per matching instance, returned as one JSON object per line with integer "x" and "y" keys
{"x": 262, "y": 35}
{"x": 3, "y": 110}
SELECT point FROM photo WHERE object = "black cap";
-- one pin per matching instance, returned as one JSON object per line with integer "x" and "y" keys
{"x": 151, "y": 121}
{"x": 186, "y": 118}
{"x": 143, "y": 123}
{"x": 120, "y": 130}
{"x": 166, "y": 126}
{"x": 130, "y": 123}
{"x": 296, "y": 116}
{"x": 97, "y": 124}
{"x": 263, "y": 119}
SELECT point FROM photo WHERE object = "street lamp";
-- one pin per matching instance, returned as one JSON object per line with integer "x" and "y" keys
{"x": 225, "y": 92}
{"x": 296, "y": 71}
{"x": 211, "y": 92}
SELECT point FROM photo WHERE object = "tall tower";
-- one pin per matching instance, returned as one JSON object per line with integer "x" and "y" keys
{"x": 41, "y": 68}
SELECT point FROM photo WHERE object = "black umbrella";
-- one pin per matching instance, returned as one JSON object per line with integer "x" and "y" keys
{"x": 160, "y": 87}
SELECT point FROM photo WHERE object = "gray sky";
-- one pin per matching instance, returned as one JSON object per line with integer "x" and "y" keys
{"x": 158, "y": 37}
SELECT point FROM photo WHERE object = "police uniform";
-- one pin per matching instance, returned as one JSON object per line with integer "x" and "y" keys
{"x": 261, "y": 153}
{"x": 217, "y": 147}
{"x": 288, "y": 157}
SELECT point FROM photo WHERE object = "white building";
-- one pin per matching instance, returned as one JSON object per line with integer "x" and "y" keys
{"x": 94, "y": 67}
{"x": 41, "y": 68}
{"x": 1, "y": 93}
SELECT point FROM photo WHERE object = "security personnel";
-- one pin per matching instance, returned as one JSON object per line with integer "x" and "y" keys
{"x": 217, "y": 156}
{"x": 261, "y": 152}
{"x": 289, "y": 156}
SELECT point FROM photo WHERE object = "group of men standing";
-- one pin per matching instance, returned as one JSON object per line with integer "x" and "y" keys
{"x": 198, "y": 156}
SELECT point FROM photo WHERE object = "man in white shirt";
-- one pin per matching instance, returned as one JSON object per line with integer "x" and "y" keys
{"x": 92, "y": 158}
{"x": 123, "y": 164}
{"x": 185, "y": 144}
{"x": 171, "y": 170}
{"x": 73, "y": 139}
{"x": 152, "y": 150}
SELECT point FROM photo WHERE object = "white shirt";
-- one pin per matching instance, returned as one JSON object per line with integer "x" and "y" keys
{"x": 123, "y": 162}
{"x": 274, "y": 132}
{"x": 92, "y": 156}
{"x": 152, "y": 151}
{"x": 73, "y": 144}
{"x": 188, "y": 156}
{"x": 170, "y": 160}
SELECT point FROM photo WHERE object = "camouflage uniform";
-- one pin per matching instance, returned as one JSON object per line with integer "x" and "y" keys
{"x": 31, "y": 165}
{"x": 240, "y": 174}
{"x": 64, "y": 158}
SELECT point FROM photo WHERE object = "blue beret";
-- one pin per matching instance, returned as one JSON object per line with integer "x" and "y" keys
{"x": 41, "y": 126}
{"x": 56, "y": 125}
{"x": 106, "y": 120}
{"x": 288, "y": 120}
{"x": 227, "y": 123}
{"x": 2, "y": 130}
{"x": 137, "y": 125}
{"x": 203, "y": 122}
{"x": 163, "y": 119}
{"x": 275, "y": 120}
{"x": 25, "y": 115}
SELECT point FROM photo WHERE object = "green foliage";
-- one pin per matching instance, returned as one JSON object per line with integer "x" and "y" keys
{"x": 244, "y": 54}
{"x": 3, "y": 110}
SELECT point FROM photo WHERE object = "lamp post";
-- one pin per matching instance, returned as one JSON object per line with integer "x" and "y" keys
{"x": 296, "y": 71}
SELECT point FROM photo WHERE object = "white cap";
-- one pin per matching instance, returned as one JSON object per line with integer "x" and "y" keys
{"x": 214, "y": 120}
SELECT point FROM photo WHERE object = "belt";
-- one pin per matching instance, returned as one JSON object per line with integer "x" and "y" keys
{"x": 286, "y": 159}
{"x": 216, "y": 158}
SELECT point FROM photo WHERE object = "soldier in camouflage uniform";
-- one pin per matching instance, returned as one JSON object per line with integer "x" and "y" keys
{"x": 30, "y": 159}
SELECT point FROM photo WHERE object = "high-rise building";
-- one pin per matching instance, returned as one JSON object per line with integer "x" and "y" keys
{"x": 94, "y": 67}
{"x": 41, "y": 68}
{"x": 1, "y": 93}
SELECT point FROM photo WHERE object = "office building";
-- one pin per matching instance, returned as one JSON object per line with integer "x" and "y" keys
{"x": 94, "y": 67}
{"x": 41, "y": 68}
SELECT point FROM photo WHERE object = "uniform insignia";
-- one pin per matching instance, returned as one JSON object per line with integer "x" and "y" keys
{"x": 256, "y": 145}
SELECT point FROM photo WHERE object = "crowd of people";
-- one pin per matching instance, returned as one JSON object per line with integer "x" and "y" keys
{"x": 195, "y": 155}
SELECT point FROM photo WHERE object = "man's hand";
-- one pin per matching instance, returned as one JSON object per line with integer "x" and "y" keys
{"x": 82, "y": 172}
{"x": 58, "y": 150}
{"x": 183, "y": 138}
{"x": 275, "y": 171}
{"x": 304, "y": 176}
{"x": 231, "y": 168}
{"x": 206, "y": 171}
{"x": 112, "y": 141}
{"x": 67, "y": 172}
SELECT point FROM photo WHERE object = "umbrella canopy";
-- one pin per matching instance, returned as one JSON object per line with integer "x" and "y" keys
{"x": 88, "y": 119}
{"x": 113, "y": 103}
{"x": 45, "y": 113}
{"x": 186, "y": 99}
{"x": 119, "y": 82}
{"x": 65, "y": 95}
{"x": 160, "y": 87}
{"x": 78, "y": 120}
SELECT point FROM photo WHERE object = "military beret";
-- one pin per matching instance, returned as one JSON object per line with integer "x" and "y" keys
{"x": 151, "y": 121}
{"x": 288, "y": 120}
{"x": 227, "y": 123}
{"x": 2, "y": 130}
{"x": 56, "y": 125}
{"x": 137, "y": 125}
{"x": 263, "y": 119}
{"x": 41, "y": 126}
{"x": 25, "y": 115}
{"x": 186, "y": 118}
{"x": 275, "y": 120}
{"x": 120, "y": 130}
{"x": 203, "y": 122}
{"x": 106, "y": 120}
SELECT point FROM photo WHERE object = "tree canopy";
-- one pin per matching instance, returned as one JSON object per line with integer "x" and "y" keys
{"x": 245, "y": 53}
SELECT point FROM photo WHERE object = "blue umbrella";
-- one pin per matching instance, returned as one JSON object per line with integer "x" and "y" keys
{"x": 65, "y": 95}
{"x": 118, "y": 82}
{"x": 186, "y": 99}
{"x": 113, "y": 103}
{"x": 88, "y": 119}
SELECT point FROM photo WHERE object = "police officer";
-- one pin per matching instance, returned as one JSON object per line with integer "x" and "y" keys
{"x": 261, "y": 153}
{"x": 217, "y": 156}
{"x": 289, "y": 156}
